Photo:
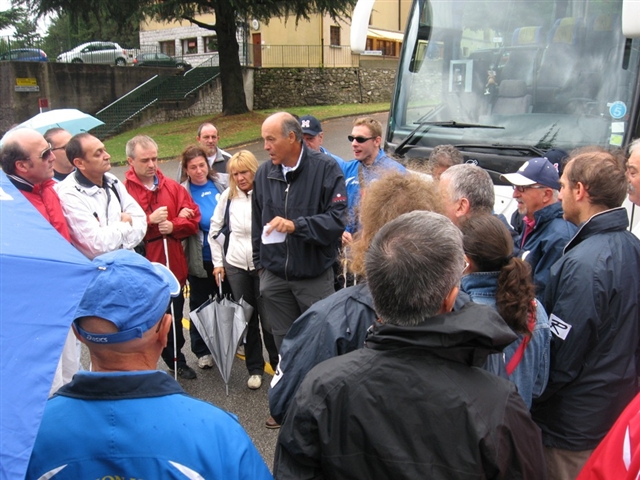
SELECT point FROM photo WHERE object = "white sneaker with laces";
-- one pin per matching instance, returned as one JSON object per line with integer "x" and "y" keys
{"x": 206, "y": 361}
{"x": 254, "y": 382}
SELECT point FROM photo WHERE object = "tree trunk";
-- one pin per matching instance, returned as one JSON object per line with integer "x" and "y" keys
{"x": 234, "y": 100}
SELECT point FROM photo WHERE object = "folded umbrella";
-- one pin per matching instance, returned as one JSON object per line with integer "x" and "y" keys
{"x": 221, "y": 324}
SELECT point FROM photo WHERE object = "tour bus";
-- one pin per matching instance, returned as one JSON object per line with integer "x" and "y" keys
{"x": 507, "y": 80}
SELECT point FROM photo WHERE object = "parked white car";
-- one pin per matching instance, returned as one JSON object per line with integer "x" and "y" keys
{"x": 98, "y": 52}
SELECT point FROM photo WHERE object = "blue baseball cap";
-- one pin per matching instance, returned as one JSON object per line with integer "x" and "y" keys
{"x": 129, "y": 291}
{"x": 536, "y": 170}
{"x": 310, "y": 125}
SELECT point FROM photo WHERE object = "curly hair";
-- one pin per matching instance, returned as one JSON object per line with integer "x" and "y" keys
{"x": 488, "y": 244}
{"x": 386, "y": 199}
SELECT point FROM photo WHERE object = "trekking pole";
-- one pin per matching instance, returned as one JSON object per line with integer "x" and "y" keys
{"x": 173, "y": 316}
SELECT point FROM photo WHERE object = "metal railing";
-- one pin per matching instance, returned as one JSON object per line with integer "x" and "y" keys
{"x": 157, "y": 89}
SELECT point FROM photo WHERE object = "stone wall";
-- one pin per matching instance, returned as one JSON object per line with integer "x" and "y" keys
{"x": 86, "y": 87}
{"x": 290, "y": 87}
{"x": 208, "y": 102}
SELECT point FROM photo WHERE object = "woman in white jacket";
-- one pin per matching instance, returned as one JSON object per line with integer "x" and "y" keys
{"x": 237, "y": 262}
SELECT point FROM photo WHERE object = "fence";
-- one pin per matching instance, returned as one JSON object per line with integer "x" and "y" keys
{"x": 301, "y": 56}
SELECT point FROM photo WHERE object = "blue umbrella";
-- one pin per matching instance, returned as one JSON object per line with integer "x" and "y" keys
{"x": 42, "y": 279}
{"x": 71, "y": 119}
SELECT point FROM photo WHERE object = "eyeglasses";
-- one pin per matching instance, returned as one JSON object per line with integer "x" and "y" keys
{"x": 351, "y": 138}
{"x": 522, "y": 188}
{"x": 59, "y": 148}
{"x": 46, "y": 152}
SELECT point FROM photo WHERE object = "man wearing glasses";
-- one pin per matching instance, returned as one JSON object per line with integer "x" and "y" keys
{"x": 58, "y": 139}
{"x": 545, "y": 234}
{"x": 27, "y": 160}
{"x": 370, "y": 163}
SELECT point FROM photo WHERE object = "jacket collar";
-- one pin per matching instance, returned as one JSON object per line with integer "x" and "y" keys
{"x": 20, "y": 183}
{"x": 120, "y": 385}
{"x": 131, "y": 176}
{"x": 26, "y": 186}
{"x": 275, "y": 171}
{"x": 548, "y": 213}
{"x": 485, "y": 281}
{"x": 613, "y": 220}
{"x": 87, "y": 184}
{"x": 466, "y": 336}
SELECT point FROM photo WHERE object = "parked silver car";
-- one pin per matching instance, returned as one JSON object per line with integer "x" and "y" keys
{"x": 97, "y": 52}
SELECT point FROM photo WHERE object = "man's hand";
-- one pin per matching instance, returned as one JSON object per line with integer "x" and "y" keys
{"x": 165, "y": 227}
{"x": 218, "y": 274}
{"x": 281, "y": 225}
{"x": 186, "y": 213}
{"x": 346, "y": 239}
{"x": 125, "y": 217}
{"x": 159, "y": 215}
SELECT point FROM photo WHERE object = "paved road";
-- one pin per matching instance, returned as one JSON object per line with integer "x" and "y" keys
{"x": 335, "y": 140}
{"x": 251, "y": 406}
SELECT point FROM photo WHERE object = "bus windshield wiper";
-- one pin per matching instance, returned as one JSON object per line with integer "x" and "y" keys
{"x": 400, "y": 149}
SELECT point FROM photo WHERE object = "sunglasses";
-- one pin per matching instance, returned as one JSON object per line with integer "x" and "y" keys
{"x": 522, "y": 188}
{"x": 59, "y": 148}
{"x": 351, "y": 138}
{"x": 46, "y": 152}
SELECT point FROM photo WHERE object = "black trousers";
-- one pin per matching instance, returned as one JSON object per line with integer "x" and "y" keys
{"x": 167, "y": 352}
{"x": 246, "y": 284}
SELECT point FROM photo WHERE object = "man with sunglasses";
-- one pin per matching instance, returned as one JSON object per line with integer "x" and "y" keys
{"x": 58, "y": 138}
{"x": 27, "y": 160}
{"x": 369, "y": 163}
{"x": 546, "y": 232}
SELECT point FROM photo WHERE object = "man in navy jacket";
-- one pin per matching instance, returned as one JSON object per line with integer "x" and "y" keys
{"x": 593, "y": 298}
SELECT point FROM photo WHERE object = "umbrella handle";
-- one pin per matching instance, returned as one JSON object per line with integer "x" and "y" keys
{"x": 220, "y": 285}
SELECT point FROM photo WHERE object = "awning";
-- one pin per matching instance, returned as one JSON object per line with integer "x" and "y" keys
{"x": 385, "y": 35}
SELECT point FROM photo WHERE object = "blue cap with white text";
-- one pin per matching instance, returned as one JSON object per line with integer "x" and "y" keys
{"x": 129, "y": 291}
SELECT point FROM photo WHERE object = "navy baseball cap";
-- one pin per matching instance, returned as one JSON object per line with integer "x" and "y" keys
{"x": 310, "y": 125}
{"x": 129, "y": 291}
{"x": 536, "y": 170}
{"x": 557, "y": 157}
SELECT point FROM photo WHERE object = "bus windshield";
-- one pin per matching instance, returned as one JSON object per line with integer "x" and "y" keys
{"x": 527, "y": 74}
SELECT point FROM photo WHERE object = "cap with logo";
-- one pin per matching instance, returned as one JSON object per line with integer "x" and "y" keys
{"x": 536, "y": 170}
{"x": 130, "y": 292}
{"x": 310, "y": 125}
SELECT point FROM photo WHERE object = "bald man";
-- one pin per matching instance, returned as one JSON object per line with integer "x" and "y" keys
{"x": 27, "y": 159}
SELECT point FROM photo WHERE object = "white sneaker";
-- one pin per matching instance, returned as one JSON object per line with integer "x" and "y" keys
{"x": 254, "y": 382}
{"x": 240, "y": 351}
{"x": 206, "y": 361}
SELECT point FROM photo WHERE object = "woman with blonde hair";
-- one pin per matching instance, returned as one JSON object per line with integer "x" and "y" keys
{"x": 233, "y": 259}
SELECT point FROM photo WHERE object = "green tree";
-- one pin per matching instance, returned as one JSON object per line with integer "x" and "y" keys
{"x": 25, "y": 34}
{"x": 228, "y": 13}
{"x": 9, "y": 17}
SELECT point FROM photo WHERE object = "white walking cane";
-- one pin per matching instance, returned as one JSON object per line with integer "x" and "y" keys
{"x": 173, "y": 316}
